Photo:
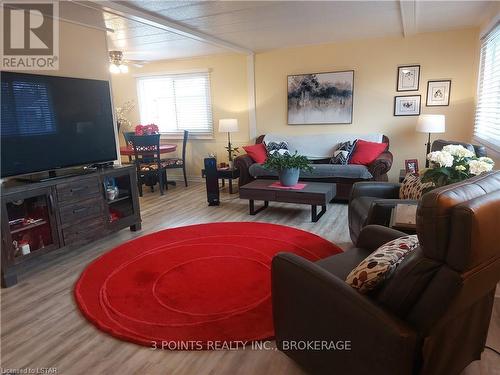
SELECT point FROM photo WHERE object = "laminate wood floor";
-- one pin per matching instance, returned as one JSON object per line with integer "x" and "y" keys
{"x": 41, "y": 327}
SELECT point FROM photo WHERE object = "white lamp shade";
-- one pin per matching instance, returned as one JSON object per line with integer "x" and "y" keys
{"x": 431, "y": 124}
{"x": 228, "y": 125}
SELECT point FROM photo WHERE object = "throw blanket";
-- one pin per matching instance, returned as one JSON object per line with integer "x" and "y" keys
{"x": 318, "y": 146}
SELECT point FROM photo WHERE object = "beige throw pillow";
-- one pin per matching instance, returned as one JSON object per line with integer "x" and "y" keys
{"x": 413, "y": 187}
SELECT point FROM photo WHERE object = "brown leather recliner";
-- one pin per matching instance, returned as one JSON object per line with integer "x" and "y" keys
{"x": 372, "y": 202}
{"x": 431, "y": 317}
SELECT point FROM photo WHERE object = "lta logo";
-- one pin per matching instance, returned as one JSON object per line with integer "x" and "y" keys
{"x": 30, "y": 36}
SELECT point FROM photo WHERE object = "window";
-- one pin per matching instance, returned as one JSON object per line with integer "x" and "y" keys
{"x": 177, "y": 102}
{"x": 487, "y": 122}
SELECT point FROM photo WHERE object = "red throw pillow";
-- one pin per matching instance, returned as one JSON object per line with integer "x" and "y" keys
{"x": 366, "y": 152}
{"x": 257, "y": 152}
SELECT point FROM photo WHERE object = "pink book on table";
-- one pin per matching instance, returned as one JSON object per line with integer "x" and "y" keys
{"x": 277, "y": 185}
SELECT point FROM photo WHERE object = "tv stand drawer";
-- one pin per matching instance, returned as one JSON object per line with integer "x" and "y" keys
{"x": 79, "y": 211}
{"x": 76, "y": 191}
{"x": 84, "y": 232}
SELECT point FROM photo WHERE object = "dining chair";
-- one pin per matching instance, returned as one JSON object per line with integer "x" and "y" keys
{"x": 127, "y": 136}
{"x": 150, "y": 167}
{"x": 174, "y": 163}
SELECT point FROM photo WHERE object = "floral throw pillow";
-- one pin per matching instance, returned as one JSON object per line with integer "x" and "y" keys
{"x": 380, "y": 264}
{"x": 279, "y": 147}
{"x": 413, "y": 187}
{"x": 343, "y": 153}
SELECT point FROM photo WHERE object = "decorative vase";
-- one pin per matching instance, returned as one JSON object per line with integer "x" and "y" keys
{"x": 289, "y": 176}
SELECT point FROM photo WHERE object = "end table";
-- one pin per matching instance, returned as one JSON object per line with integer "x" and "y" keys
{"x": 223, "y": 174}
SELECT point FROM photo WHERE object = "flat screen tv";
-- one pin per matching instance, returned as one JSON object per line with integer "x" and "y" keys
{"x": 51, "y": 122}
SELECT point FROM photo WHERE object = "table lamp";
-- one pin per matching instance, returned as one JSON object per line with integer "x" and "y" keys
{"x": 228, "y": 125}
{"x": 430, "y": 124}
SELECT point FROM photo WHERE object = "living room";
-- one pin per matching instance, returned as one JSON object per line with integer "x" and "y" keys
{"x": 227, "y": 171}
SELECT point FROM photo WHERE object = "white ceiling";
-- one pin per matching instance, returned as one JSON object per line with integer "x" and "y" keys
{"x": 265, "y": 25}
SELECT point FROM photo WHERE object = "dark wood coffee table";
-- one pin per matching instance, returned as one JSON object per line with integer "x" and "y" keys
{"x": 314, "y": 194}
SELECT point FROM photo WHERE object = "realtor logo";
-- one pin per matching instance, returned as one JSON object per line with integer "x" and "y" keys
{"x": 30, "y": 35}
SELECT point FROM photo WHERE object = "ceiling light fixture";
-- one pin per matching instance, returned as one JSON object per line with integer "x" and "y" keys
{"x": 116, "y": 62}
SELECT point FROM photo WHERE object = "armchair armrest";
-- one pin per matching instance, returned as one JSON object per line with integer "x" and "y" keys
{"x": 372, "y": 237}
{"x": 380, "y": 166}
{"x": 311, "y": 305}
{"x": 383, "y": 190}
{"x": 242, "y": 163}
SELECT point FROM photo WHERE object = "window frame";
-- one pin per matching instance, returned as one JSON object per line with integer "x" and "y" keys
{"x": 179, "y": 135}
{"x": 493, "y": 27}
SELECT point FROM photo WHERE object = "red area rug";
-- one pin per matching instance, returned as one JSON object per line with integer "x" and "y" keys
{"x": 200, "y": 283}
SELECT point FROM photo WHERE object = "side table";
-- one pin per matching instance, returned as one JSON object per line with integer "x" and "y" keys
{"x": 223, "y": 174}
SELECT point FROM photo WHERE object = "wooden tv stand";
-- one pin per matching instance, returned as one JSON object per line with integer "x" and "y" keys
{"x": 41, "y": 217}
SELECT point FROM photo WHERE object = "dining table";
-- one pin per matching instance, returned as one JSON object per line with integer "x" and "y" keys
{"x": 164, "y": 149}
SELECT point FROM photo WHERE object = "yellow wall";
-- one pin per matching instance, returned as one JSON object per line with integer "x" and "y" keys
{"x": 445, "y": 55}
{"x": 83, "y": 53}
{"x": 229, "y": 100}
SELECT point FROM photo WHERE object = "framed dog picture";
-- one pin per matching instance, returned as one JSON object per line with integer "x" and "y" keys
{"x": 438, "y": 93}
{"x": 408, "y": 105}
{"x": 408, "y": 78}
{"x": 411, "y": 166}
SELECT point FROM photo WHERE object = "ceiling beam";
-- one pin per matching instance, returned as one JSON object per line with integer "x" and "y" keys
{"x": 409, "y": 16}
{"x": 131, "y": 12}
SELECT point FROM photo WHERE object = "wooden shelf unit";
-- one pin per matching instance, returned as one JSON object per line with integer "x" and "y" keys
{"x": 73, "y": 211}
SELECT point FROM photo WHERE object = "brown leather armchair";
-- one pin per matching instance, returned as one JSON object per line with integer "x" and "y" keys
{"x": 372, "y": 202}
{"x": 431, "y": 317}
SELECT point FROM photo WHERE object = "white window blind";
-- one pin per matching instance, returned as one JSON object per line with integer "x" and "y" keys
{"x": 177, "y": 102}
{"x": 487, "y": 121}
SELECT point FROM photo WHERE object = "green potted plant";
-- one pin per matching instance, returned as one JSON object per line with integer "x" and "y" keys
{"x": 288, "y": 167}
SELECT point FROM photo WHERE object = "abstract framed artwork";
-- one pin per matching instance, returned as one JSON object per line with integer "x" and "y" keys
{"x": 407, "y": 105}
{"x": 320, "y": 98}
{"x": 438, "y": 93}
{"x": 408, "y": 78}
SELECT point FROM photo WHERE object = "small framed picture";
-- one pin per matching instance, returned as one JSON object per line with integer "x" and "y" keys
{"x": 438, "y": 93}
{"x": 411, "y": 166}
{"x": 407, "y": 105}
{"x": 408, "y": 78}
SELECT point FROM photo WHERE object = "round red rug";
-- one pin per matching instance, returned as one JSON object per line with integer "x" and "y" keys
{"x": 195, "y": 284}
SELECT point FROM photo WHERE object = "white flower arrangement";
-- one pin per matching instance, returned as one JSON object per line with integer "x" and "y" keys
{"x": 121, "y": 115}
{"x": 442, "y": 158}
{"x": 476, "y": 167}
{"x": 454, "y": 163}
{"x": 458, "y": 151}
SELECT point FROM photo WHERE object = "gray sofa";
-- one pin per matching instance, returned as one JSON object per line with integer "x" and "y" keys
{"x": 319, "y": 150}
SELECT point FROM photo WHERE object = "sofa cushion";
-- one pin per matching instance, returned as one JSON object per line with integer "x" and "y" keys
{"x": 366, "y": 152}
{"x": 257, "y": 152}
{"x": 379, "y": 266}
{"x": 319, "y": 171}
{"x": 343, "y": 153}
{"x": 279, "y": 147}
{"x": 318, "y": 146}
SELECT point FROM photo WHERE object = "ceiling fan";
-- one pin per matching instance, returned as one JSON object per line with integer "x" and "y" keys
{"x": 119, "y": 65}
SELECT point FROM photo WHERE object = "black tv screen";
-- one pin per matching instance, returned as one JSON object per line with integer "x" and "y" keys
{"x": 53, "y": 122}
